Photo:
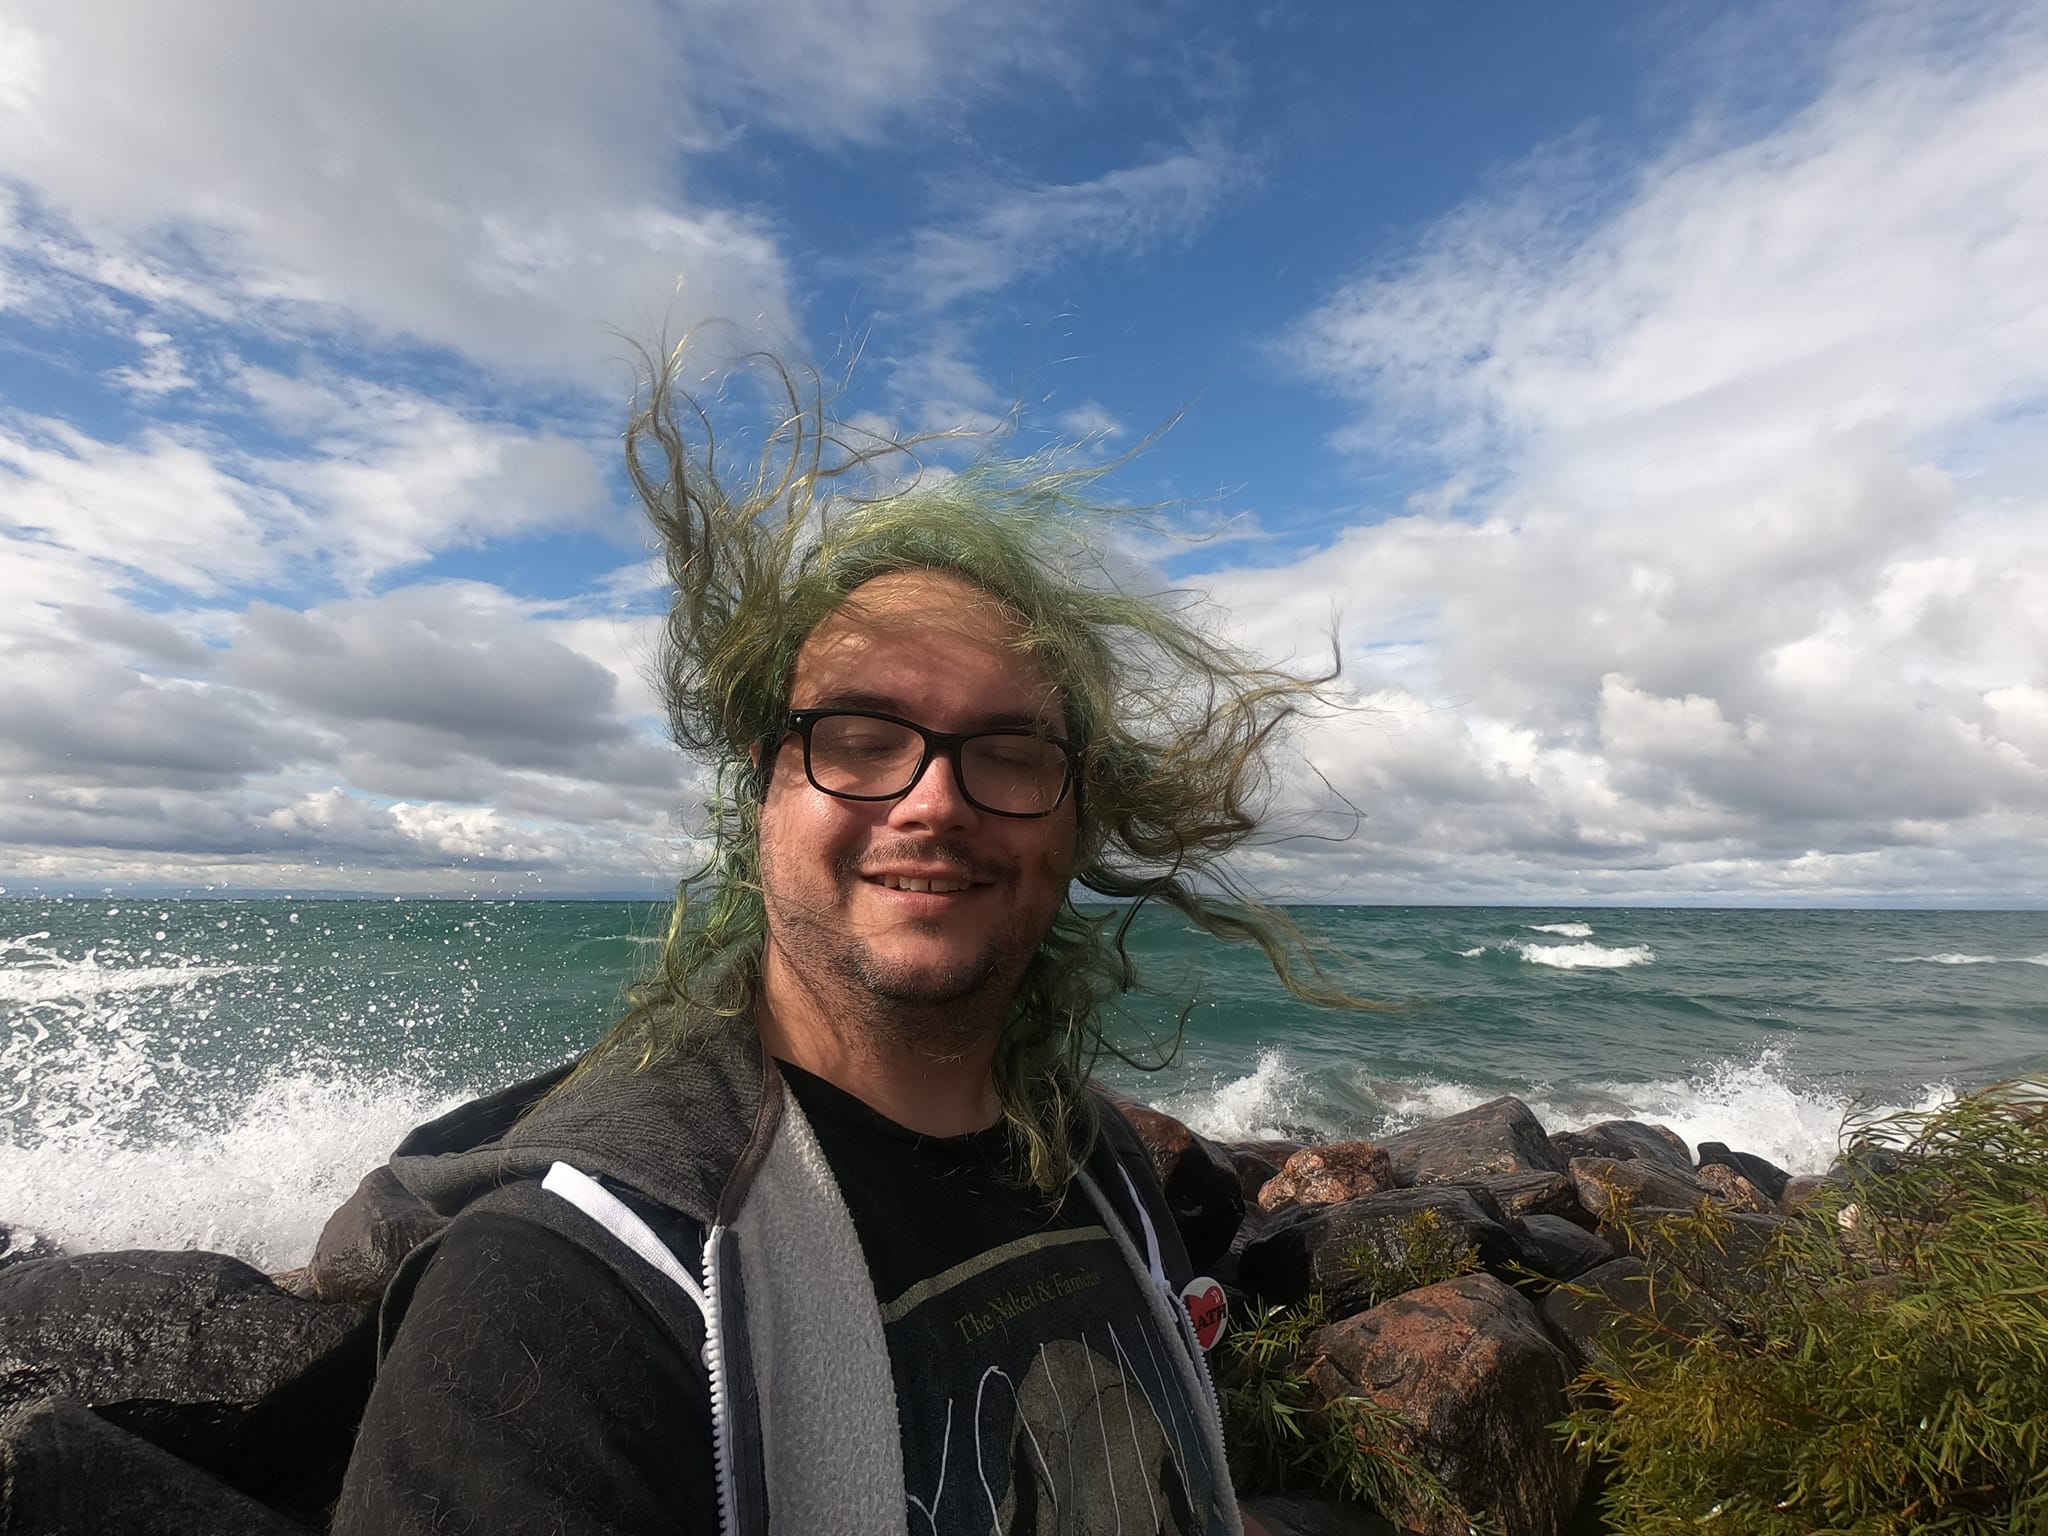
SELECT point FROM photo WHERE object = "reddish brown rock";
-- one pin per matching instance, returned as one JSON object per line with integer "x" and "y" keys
{"x": 1732, "y": 1189}
{"x": 1478, "y": 1384}
{"x": 1200, "y": 1179}
{"x": 1499, "y": 1136}
{"x": 1766, "y": 1175}
{"x": 367, "y": 1235}
{"x": 1605, "y": 1184}
{"x": 1344, "y": 1170}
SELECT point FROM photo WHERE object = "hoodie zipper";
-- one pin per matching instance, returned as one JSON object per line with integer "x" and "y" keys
{"x": 714, "y": 1365}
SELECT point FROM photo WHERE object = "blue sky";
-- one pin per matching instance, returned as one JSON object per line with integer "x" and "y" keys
{"x": 1655, "y": 392}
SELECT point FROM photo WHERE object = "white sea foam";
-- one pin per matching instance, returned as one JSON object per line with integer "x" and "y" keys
{"x": 1953, "y": 958}
{"x": 1564, "y": 930}
{"x": 259, "y": 1187}
{"x": 1473, "y": 953}
{"x": 1255, "y": 1107}
{"x": 1584, "y": 957}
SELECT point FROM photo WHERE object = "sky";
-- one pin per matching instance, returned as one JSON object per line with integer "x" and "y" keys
{"x": 1653, "y": 398}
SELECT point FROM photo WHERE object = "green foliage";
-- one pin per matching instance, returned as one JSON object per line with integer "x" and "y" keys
{"x": 1283, "y": 1435}
{"x": 1422, "y": 1252}
{"x": 1885, "y": 1368}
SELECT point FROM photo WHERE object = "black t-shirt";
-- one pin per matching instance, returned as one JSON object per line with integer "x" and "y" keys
{"x": 1033, "y": 1389}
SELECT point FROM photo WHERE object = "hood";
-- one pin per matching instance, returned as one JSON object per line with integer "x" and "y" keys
{"x": 685, "y": 1132}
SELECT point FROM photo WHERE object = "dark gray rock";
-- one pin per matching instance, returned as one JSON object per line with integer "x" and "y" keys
{"x": 1624, "y": 1139}
{"x": 1802, "y": 1189}
{"x": 1254, "y": 1171}
{"x": 1306, "y": 1248}
{"x": 1530, "y": 1194}
{"x": 199, "y": 1354}
{"x": 1607, "y": 1311}
{"x": 1608, "y": 1185}
{"x": 1499, "y": 1136}
{"x": 1309, "y": 1514}
{"x": 1202, "y": 1184}
{"x": 1477, "y": 1383}
{"x": 65, "y": 1471}
{"x": 366, "y": 1237}
{"x": 1766, "y": 1175}
{"x": 1561, "y": 1249}
{"x": 18, "y": 1245}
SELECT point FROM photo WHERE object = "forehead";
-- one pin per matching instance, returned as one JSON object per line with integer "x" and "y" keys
{"x": 919, "y": 640}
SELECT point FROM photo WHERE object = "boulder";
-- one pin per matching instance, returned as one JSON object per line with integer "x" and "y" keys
{"x": 1477, "y": 1383}
{"x": 1625, "y": 1139}
{"x": 1559, "y": 1249}
{"x": 1499, "y": 1136}
{"x": 1800, "y": 1191}
{"x": 1306, "y": 1248}
{"x": 1762, "y": 1172}
{"x": 363, "y": 1241}
{"x": 1315, "y": 1514}
{"x": 1200, "y": 1179}
{"x": 1344, "y": 1170}
{"x": 18, "y": 1245}
{"x": 1735, "y": 1256}
{"x": 1606, "y": 1184}
{"x": 1254, "y": 1173}
{"x": 64, "y": 1471}
{"x": 1274, "y": 1152}
{"x": 1530, "y": 1194}
{"x": 199, "y": 1354}
{"x": 1607, "y": 1311}
{"x": 1733, "y": 1190}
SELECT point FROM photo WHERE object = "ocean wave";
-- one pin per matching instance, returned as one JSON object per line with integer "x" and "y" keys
{"x": 1473, "y": 953}
{"x": 1584, "y": 957}
{"x": 1953, "y": 958}
{"x": 84, "y": 980}
{"x": 1564, "y": 930}
{"x": 259, "y": 1186}
{"x": 1260, "y": 1105}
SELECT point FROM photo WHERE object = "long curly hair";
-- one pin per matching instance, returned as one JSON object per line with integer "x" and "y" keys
{"x": 1172, "y": 724}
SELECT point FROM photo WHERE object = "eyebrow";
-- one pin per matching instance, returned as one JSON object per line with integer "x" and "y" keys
{"x": 999, "y": 720}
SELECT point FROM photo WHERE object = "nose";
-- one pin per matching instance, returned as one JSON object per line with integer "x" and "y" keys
{"x": 934, "y": 801}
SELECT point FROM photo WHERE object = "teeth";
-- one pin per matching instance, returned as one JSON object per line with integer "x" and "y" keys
{"x": 912, "y": 883}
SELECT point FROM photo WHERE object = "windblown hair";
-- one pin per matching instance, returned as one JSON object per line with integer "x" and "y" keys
{"x": 1172, "y": 725}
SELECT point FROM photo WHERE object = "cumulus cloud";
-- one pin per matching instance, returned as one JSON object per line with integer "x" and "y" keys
{"x": 1733, "y": 586}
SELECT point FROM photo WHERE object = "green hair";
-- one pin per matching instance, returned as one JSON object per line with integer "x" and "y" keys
{"x": 1172, "y": 724}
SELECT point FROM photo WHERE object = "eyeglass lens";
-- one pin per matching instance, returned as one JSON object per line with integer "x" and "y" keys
{"x": 858, "y": 755}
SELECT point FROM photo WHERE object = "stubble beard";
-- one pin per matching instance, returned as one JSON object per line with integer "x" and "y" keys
{"x": 940, "y": 1009}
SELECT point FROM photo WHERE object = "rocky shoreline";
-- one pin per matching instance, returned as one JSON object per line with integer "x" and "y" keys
{"x": 187, "y": 1392}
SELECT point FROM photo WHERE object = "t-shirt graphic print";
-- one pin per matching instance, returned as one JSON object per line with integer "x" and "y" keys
{"x": 1034, "y": 1391}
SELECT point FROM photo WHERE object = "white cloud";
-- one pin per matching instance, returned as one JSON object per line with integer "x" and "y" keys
{"x": 1131, "y": 209}
{"x": 1744, "y": 584}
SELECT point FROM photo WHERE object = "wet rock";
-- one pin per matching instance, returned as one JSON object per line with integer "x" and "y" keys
{"x": 1200, "y": 1179}
{"x": 18, "y": 1245}
{"x": 1306, "y": 1248}
{"x": 1254, "y": 1173}
{"x": 1623, "y": 1140}
{"x": 1344, "y": 1170}
{"x": 1733, "y": 1255}
{"x": 199, "y": 1354}
{"x": 1309, "y": 1514}
{"x": 1478, "y": 1383}
{"x": 1274, "y": 1152}
{"x": 1800, "y": 1192}
{"x": 361, "y": 1245}
{"x": 1531, "y": 1194}
{"x": 1762, "y": 1172}
{"x": 1609, "y": 1310}
{"x": 1733, "y": 1190}
{"x": 65, "y": 1471}
{"x": 1561, "y": 1249}
{"x": 1499, "y": 1136}
{"x": 1606, "y": 1184}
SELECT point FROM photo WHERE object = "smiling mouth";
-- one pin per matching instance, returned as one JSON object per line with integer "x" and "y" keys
{"x": 937, "y": 885}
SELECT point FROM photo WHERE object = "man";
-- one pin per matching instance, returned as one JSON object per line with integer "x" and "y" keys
{"x": 831, "y": 1235}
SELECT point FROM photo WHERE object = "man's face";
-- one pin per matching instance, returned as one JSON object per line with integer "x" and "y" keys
{"x": 931, "y": 648}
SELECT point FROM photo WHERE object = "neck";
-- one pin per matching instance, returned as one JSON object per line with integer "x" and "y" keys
{"x": 929, "y": 1068}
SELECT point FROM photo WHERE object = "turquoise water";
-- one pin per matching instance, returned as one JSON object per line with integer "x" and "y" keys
{"x": 221, "y": 1072}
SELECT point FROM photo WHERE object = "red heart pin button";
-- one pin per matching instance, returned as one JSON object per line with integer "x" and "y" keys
{"x": 1207, "y": 1310}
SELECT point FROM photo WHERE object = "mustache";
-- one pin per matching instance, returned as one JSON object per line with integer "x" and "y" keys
{"x": 965, "y": 861}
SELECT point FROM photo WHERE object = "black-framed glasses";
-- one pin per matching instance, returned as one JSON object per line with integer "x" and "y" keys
{"x": 861, "y": 754}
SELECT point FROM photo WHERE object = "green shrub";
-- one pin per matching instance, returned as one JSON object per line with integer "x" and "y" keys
{"x": 1885, "y": 1370}
{"x": 1282, "y": 1435}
